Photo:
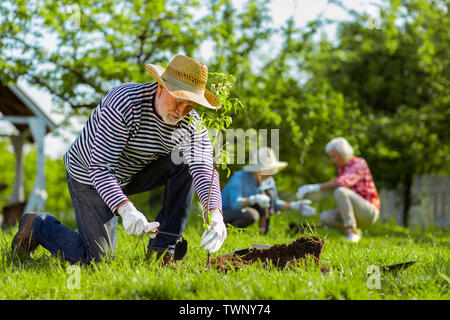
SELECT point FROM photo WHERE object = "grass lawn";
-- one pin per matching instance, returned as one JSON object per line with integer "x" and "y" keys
{"x": 131, "y": 276}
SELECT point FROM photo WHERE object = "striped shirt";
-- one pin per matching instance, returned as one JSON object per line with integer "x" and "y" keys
{"x": 124, "y": 134}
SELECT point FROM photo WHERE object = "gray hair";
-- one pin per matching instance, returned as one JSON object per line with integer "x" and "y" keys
{"x": 340, "y": 145}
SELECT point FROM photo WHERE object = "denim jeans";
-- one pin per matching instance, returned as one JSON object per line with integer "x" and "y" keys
{"x": 241, "y": 218}
{"x": 97, "y": 226}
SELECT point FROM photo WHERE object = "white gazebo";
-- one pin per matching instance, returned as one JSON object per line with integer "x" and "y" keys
{"x": 30, "y": 124}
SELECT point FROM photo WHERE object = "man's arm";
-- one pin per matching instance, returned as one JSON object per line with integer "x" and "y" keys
{"x": 110, "y": 139}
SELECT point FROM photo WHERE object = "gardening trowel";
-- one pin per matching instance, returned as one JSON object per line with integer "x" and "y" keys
{"x": 397, "y": 267}
{"x": 261, "y": 246}
{"x": 241, "y": 252}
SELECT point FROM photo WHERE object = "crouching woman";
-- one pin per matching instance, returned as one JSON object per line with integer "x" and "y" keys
{"x": 355, "y": 194}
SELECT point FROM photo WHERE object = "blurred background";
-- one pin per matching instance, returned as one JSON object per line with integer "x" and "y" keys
{"x": 374, "y": 72}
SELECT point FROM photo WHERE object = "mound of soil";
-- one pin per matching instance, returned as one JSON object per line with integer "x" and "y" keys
{"x": 279, "y": 255}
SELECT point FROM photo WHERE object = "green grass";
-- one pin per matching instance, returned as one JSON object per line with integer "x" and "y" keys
{"x": 131, "y": 276}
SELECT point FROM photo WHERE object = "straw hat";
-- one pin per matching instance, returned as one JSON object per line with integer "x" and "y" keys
{"x": 185, "y": 78}
{"x": 265, "y": 161}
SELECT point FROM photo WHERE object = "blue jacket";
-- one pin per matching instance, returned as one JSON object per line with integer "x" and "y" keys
{"x": 243, "y": 184}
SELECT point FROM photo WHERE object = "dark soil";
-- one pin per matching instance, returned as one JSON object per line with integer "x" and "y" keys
{"x": 280, "y": 255}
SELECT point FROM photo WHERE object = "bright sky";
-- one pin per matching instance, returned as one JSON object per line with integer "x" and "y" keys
{"x": 281, "y": 10}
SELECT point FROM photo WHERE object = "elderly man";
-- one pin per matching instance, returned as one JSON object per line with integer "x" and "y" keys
{"x": 126, "y": 147}
{"x": 251, "y": 194}
{"x": 358, "y": 203}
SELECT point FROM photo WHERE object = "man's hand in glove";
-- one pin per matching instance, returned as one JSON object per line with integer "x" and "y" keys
{"x": 135, "y": 223}
{"x": 213, "y": 238}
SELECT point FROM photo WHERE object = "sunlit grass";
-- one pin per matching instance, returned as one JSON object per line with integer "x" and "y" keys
{"x": 132, "y": 276}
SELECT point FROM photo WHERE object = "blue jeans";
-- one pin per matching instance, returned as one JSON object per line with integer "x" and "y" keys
{"x": 97, "y": 226}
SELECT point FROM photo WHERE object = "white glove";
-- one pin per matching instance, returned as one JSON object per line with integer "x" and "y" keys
{"x": 262, "y": 199}
{"x": 213, "y": 238}
{"x": 296, "y": 205}
{"x": 135, "y": 223}
{"x": 307, "y": 188}
{"x": 307, "y": 210}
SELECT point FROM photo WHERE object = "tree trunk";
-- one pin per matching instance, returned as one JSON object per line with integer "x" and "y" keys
{"x": 407, "y": 184}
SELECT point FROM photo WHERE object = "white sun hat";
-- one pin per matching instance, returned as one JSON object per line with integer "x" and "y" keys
{"x": 265, "y": 162}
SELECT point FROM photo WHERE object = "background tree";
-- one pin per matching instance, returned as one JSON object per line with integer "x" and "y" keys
{"x": 398, "y": 75}
{"x": 96, "y": 45}
{"x": 384, "y": 87}
{"x": 277, "y": 92}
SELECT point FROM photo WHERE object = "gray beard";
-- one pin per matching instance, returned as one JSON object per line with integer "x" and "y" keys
{"x": 172, "y": 123}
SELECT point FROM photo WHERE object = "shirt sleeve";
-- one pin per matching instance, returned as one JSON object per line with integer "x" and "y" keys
{"x": 110, "y": 139}
{"x": 197, "y": 153}
{"x": 351, "y": 175}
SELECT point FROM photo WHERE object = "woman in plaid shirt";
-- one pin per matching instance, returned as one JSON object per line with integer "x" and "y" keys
{"x": 358, "y": 203}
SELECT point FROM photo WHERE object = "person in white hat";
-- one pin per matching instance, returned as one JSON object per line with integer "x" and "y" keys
{"x": 126, "y": 147}
{"x": 251, "y": 194}
{"x": 358, "y": 203}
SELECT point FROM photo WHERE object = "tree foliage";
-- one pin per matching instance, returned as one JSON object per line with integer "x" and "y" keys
{"x": 398, "y": 76}
{"x": 385, "y": 88}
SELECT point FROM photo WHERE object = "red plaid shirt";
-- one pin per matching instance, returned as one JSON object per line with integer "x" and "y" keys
{"x": 356, "y": 176}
